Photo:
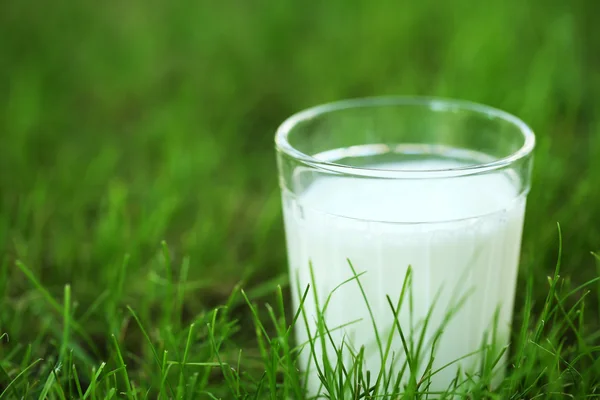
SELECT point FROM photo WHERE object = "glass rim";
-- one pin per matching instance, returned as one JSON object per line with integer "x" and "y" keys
{"x": 434, "y": 104}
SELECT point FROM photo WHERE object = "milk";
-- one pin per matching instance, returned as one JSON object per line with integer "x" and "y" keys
{"x": 460, "y": 235}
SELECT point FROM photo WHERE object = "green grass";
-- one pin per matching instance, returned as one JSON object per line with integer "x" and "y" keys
{"x": 126, "y": 124}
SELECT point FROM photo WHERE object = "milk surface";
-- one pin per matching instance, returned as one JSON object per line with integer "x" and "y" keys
{"x": 460, "y": 235}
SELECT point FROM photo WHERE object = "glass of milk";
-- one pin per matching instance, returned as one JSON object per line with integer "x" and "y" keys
{"x": 403, "y": 219}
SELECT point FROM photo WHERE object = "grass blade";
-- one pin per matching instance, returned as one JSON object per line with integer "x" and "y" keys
{"x": 16, "y": 379}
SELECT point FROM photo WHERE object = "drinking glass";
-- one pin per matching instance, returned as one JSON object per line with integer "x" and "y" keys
{"x": 403, "y": 220}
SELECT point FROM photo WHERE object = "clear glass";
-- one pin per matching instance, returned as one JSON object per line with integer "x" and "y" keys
{"x": 423, "y": 194}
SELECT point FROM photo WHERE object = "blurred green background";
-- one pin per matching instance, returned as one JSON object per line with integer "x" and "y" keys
{"x": 124, "y": 123}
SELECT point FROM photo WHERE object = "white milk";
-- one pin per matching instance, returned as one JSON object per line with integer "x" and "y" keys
{"x": 383, "y": 226}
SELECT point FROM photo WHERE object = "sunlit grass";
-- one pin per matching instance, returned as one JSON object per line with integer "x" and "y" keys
{"x": 552, "y": 353}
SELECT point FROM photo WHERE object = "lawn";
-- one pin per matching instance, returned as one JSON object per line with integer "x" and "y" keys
{"x": 140, "y": 212}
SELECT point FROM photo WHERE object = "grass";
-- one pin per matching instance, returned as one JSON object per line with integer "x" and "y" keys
{"x": 138, "y": 186}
